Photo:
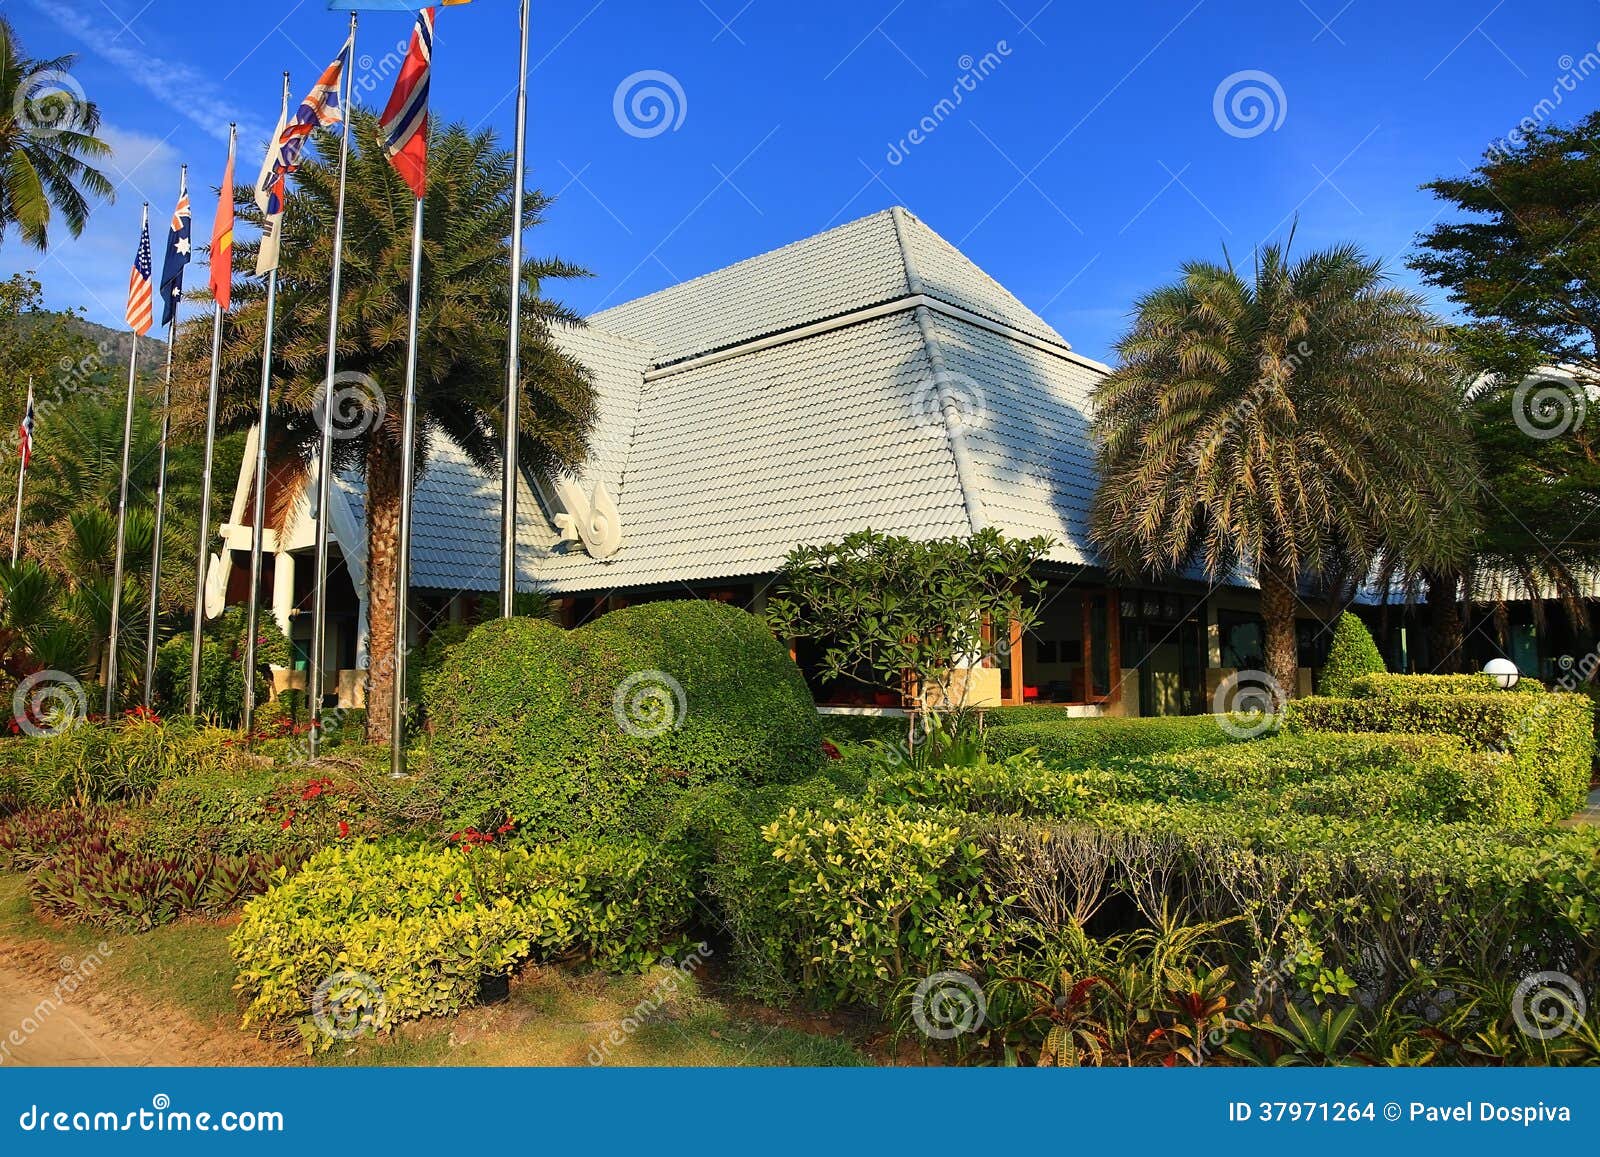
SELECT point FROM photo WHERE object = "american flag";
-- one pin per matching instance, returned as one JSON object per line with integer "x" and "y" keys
{"x": 177, "y": 256}
{"x": 139, "y": 295}
{"x": 25, "y": 431}
{"x": 320, "y": 109}
{"x": 405, "y": 120}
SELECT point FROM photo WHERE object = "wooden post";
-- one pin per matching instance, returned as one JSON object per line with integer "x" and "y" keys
{"x": 1018, "y": 694}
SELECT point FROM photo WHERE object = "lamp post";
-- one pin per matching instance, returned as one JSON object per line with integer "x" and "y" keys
{"x": 1503, "y": 671}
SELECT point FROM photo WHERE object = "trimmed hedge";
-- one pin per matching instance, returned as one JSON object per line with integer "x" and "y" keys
{"x": 1549, "y": 737}
{"x": 1351, "y": 655}
{"x": 425, "y": 927}
{"x": 1076, "y": 741}
{"x": 1410, "y": 686}
{"x": 528, "y": 721}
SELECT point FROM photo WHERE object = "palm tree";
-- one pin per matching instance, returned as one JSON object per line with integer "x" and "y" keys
{"x": 466, "y": 292}
{"x": 1301, "y": 426}
{"x": 47, "y": 144}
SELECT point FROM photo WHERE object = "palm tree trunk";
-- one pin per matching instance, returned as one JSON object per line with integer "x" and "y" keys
{"x": 1444, "y": 622}
{"x": 1277, "y": 610}
{"x": 383, "y": 539}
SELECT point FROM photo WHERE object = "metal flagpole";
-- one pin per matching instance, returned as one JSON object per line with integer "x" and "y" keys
{"x": 22, "y": 472}
{"x": 161, "y": 493}
{"x": 508, "y": 485}
{"x": 203, "y": 552}
{"x": 408, "y": 454}
{"x": 319, "y": 596}
{"x": 258, "y": 532}
{"x": 122, "y": 524}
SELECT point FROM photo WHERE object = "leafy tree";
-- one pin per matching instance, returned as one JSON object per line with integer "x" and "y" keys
{"x": 1300, "y": 424}
{"x": 48, "y": 144}
{"x": 1522, "y": 263}
{"x": 889, "y": 608}
{"x": 1351, "y": 654}
{"x": 466, "y": 278}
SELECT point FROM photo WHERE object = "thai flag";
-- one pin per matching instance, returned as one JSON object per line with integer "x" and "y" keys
{"x": 405, "y": 120}
{"x": 320, "y": 109}
{"x": 25, "y": 432}
{"x": 140, "y": 307}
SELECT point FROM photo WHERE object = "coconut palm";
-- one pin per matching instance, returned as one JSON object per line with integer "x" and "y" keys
{"x": 466, "y": 274}
{"x": 1300, "y": 424}
{"x": 48, "y": 144}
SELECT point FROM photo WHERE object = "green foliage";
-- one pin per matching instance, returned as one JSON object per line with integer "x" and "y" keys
{"x": 429, "y": 926}
{"x": 529, "y": 720}
{"x": 1410, "y": 686}
{"x": 122, "y": 761}
{"x": 885, "y": 606}
{"x": 1351, "y": 654}
{"x": 1548, "y": 737}
{"x": 1077, "y": 741}
{"x": 222, "y": 645}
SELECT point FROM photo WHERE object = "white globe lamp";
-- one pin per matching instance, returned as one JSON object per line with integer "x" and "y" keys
{"x": 1502, "y": 671}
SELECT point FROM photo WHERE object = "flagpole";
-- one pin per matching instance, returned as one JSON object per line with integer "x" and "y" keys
{"x": 408, "y": 455}
{"x": 161, "y": 487}
{"x": 122, "y": 525}
{"x": 319, "y": 596}
{"x": 258, "y": 519}
{"x": 203, "y": 552}
{"x": 22, "y": 472}
{"x": 508, "y": 483}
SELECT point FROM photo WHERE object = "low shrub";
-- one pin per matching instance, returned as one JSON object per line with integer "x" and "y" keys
{"x": 122, "y": 761}
{"x": 424, "y": 928}
{"x": 598, "y": 731}
{"x": 840, "y": 728}
{"x": 1351, "y": 654}
{"x": 1409, "y": 686}
{"x": 1080, "y": 741}
{"x": 221, "y": 667}
{"x": 1549, "y": 737}
{"x": 1019, "y": 785}
{"x": 29, "y": 837}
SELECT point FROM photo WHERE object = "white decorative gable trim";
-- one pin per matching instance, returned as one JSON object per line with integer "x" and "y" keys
{"x": 591, "y": 520}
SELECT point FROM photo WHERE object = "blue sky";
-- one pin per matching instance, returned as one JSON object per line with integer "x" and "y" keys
{"x": 1080, "y": 168}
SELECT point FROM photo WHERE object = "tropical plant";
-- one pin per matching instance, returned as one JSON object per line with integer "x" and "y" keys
{"x": 461, "y": 343}
{"x": 1299, "y": 423}
{"x": 1351, "y": 654}
{"x": 48, "y": 142}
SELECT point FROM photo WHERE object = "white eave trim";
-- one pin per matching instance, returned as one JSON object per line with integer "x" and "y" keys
{"x": 868, "y": 313}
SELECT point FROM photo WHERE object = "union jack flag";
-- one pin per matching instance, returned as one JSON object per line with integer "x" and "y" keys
{"x": 320, "y": 109}
{"x": 140, "y": 306}
{"x": 405, "y": 120}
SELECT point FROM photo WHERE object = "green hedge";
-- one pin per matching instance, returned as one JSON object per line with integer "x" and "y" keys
{"x": 221, "y": 666}
{"x": 1410, "y": 686}
{"x": 115, "y": 762}
{"x": 1072, "y": 741}
{"x": 1351, "y": 654}
{"x": 424, "y": 928}
{"x": 857, "y": 900}
{"x": 525, "y": 720}
{"x": 1549, "y": 737}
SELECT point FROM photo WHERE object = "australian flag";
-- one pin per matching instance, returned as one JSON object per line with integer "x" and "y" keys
{"x": 178, "y": 252}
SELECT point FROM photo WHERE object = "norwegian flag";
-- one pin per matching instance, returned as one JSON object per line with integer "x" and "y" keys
{"x": 25, "y": 431}
{"x": 405, "y": 119}
{"x": 140, "y": 304}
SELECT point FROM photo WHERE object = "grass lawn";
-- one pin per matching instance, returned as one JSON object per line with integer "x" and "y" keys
{"x": 554, "y": 1016}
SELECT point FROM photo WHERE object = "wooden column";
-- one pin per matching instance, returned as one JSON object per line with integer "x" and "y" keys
{"x": 1018, "y": 697}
